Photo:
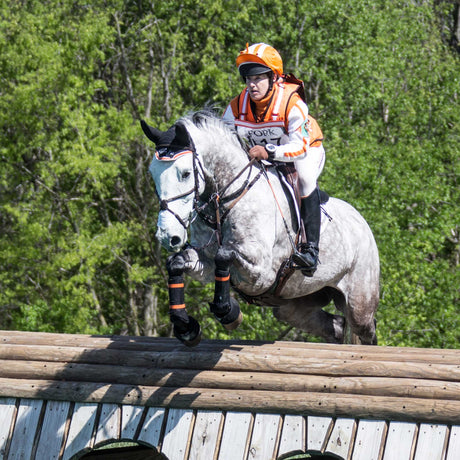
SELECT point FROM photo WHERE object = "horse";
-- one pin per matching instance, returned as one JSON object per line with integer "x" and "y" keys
{"x": 227, "y": 219}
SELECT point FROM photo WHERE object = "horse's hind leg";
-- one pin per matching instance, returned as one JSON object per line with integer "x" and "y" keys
{"x": 359, "y": 312}
{"x": 306, "y": 313}
{"x": 364, "y": 327}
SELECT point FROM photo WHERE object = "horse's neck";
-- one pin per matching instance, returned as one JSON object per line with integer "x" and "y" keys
{"x": 223, "y": 165}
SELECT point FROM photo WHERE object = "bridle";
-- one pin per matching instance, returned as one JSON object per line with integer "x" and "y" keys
{"x": 215, "y": 209}
{"x": 164, "y": 203}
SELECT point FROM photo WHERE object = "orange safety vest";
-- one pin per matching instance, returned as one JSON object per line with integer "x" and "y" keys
{"x": 316, "y": 135}
{"x": 285, "y": 96}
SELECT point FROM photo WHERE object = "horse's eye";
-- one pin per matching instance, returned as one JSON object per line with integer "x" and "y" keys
{"x": 185, "y": 175}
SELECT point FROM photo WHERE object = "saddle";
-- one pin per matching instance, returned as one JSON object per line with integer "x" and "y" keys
{"x": 289, "y": 178}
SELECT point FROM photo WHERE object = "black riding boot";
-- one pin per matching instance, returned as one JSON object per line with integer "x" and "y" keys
{"x": 306, "y": 256}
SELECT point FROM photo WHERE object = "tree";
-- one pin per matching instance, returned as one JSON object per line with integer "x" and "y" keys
{"x": 77, "y": 250}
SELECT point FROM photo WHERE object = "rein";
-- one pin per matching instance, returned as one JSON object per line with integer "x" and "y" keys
{"x": 218, "y": 199}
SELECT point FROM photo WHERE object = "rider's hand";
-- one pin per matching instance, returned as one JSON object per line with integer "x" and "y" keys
{"x": 258, "y": 152}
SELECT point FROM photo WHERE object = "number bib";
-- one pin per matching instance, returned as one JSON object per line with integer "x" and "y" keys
{"x": 272, "y": 132}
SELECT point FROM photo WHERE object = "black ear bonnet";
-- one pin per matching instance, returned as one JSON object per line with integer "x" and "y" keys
{"x": 171, "y": 143}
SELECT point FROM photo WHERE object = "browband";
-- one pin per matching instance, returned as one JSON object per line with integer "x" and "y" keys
{"x": 166, "y": 154}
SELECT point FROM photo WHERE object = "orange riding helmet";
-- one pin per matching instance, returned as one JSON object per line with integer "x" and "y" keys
{"x": 259, "y": 58}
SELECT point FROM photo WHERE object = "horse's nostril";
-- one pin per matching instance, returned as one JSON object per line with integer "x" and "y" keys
{"x": 175, "y": 240}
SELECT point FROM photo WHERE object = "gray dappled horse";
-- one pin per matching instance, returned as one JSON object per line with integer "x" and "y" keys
{"x": 242, "y": 226}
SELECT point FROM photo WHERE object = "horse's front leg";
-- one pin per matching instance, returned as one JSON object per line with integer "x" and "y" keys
{"x": 225, "y": 308}
{"x": 185, "y": 327}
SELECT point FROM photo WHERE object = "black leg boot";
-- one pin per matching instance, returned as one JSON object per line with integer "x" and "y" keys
{"x": 186, "y": 328}
{"x": 225, "y": 308}
{"x": 307, "y": 255}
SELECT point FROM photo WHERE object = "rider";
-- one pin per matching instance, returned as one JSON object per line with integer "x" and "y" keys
{"x": 272, "y": 117}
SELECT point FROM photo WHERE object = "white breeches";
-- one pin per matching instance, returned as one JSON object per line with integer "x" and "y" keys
{"x": 309, "y": 169}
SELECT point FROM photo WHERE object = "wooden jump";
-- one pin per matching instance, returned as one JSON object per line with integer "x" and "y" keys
{"x": 61, "y": 395}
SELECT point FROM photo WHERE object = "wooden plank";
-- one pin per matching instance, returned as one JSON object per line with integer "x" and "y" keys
{"x": 151, "y": 429}
{"x": 53, "y": 430}
{"x": 318, "y": 431}
{"x": 175, "y": 441}
{"x": 431, "y": 442}
{"x": 281, "y": 402}
{"x": 130, "y": 419}
{"x": 369, "y": 440}
{"x": 80, "y": 437}
{"x": 292, "y": 435}
{"x": 235, "y": 436}
{"x": 400, "y": 441}
{"x": 341, "y": 440}
{"x": 7, "y": 412}
{"x": 264, "y": 440}
{"x": 25, "y": 429}
{"x": 453, "y": 452}
{"x": 205, "y": 436}
{"x": 244, "y": 380}
{"x": 321, "y": 350}
{"x": 231, "y": 360}
{"x": 109, "y": 424}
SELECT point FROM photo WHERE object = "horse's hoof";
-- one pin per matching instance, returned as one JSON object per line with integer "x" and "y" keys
{"x": 234, "y": 324}
{"x": 232, "y": 318}
{"x": 194, "y": 342}
{"x": 192, "y": 337}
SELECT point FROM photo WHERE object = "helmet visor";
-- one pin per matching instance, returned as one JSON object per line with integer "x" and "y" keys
{"x": 250, "y": 68}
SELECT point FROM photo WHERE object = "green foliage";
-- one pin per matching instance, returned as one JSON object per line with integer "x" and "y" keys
{"x": 77, "y": 246}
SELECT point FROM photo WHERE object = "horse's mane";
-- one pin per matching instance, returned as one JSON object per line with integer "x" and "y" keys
{"x": 208, "y": 120}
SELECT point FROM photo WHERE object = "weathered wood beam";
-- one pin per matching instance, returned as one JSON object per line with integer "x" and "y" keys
{"x": 231, "y": 380}
{"x": 321, "y": 350}
{"x": 230, "y": 360}
{"x": 286, "y": 402}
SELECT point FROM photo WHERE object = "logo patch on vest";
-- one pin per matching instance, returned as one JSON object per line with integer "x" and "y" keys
{"x": 306, "y": 128}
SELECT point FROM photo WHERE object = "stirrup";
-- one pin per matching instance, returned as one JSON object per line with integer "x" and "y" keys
{"x": 305, "y": 258}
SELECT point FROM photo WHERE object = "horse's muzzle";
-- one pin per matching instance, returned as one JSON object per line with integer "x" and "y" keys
{"x": 171, "y": 234}
{"x": 172, "y": 243}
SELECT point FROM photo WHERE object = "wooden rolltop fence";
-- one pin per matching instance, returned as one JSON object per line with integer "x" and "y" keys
{"x": 312, "y": 382}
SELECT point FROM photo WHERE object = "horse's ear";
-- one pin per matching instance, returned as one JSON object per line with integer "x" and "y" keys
{"x": 153, "y": 134}
{"x": 182, "y": 136}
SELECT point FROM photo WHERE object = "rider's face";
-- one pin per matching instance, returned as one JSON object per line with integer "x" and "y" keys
{"x": 258, "y": 86}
